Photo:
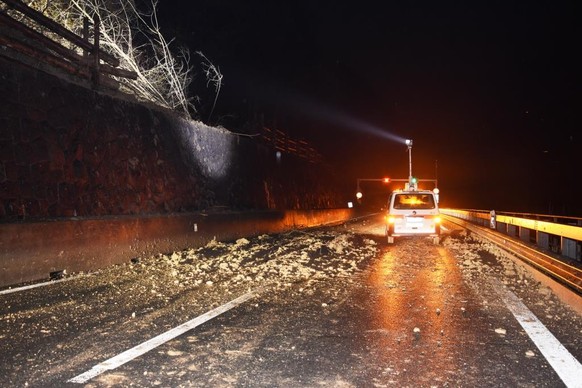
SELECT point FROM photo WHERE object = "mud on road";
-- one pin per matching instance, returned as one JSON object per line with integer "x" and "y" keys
{"x": 334, "y": 307}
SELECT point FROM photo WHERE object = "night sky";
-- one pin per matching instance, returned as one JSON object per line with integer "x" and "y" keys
{"x": 492, "y": 90}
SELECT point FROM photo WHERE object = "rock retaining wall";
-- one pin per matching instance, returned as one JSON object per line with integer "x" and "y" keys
{"x": 68, "y": 151}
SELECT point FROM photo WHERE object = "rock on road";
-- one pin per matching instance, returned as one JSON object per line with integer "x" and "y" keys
{"x": 329, "y": 307}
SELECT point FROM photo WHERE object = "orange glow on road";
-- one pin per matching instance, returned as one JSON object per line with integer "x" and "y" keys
{"x": 415, "y": 284}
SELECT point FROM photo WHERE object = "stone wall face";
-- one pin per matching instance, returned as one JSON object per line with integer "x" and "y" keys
{"x": 68, "y": 151}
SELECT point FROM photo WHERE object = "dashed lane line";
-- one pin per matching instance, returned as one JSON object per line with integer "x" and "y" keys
{"x": 566, "y": 366}
{"x": 145, "y": 347}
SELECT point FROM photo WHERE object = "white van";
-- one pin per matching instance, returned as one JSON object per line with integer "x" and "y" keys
{"x": 413, "y": 213}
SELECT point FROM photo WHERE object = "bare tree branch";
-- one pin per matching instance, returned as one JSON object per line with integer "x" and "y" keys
{"x": 161, "y": 77}
{"x": 213, "y": 76}
{"x": 135, "y": 38}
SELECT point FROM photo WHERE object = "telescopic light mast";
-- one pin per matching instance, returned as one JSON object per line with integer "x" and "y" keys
{"x": 409, "y": 145}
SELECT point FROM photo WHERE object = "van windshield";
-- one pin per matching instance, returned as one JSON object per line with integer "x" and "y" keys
{"x": 414, "y": 201}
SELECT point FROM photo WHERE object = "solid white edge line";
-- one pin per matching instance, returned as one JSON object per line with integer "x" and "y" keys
{"x": 145, "y": 347}
{"x": 36, "y": 285}
{"x": 565, "y": 365}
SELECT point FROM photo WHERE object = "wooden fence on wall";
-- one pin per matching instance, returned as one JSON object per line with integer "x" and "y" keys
{"x": 35, "y": 46}
{"x": 280, "y": 141}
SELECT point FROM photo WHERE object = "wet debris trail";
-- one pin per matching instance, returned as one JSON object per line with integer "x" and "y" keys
{"x": 94, "y": 316}
{"x": 336, "y": 307}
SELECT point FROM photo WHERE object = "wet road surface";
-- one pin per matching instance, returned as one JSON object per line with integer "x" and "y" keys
{"x": 329, "y": 307}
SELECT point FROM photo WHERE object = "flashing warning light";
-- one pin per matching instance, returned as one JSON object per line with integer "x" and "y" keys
{"x": 359, "y": 195}
{"x": 413, "y": 180}
{"x": 386, "y": 180}
{"x": 436, "y": 190}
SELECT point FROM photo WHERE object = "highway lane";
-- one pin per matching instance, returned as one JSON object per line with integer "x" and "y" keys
{"x": 331, "y": 307}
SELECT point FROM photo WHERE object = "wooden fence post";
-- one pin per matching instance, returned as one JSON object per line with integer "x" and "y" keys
{"x": 96, "y": 26}
{"x": 85, "y": 34}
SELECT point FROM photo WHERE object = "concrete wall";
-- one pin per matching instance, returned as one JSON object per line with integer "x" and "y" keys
{"x": 31, "y": 251}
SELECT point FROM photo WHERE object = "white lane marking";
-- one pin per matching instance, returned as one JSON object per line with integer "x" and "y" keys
{"x": 36, "y": 285}
{"x": 145, "y": 347}
{"x": 566, "y": 366}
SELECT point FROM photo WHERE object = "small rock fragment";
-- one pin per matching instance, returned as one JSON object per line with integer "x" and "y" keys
{"x": 501, "y": 331}
{"x": 416, "y": 332}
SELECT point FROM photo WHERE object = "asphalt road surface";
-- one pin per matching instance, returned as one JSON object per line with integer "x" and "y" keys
{"x": 325, "y": 307}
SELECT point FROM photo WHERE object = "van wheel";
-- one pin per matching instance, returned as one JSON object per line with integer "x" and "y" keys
{"x": 390, "y": 240}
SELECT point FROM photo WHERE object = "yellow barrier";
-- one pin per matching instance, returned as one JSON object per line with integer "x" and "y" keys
{"x": 568, "y": 231}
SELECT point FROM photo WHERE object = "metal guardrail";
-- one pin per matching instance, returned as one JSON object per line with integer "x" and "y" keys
{"x": 568, "y": 275}
{"x": 560, "y": 235}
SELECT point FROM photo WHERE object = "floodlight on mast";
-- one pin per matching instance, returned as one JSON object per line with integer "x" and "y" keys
{"x": 409, "y": 145}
